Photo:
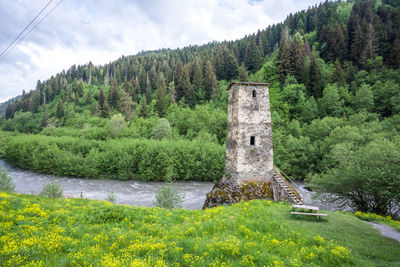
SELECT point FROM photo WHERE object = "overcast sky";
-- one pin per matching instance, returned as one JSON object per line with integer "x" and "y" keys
{"x": 101, "y": 31}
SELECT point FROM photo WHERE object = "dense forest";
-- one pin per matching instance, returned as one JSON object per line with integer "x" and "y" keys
{"x": 334, "y": 75}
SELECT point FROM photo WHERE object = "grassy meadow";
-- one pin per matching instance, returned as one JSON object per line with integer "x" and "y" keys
{"x": 36, "y": 231}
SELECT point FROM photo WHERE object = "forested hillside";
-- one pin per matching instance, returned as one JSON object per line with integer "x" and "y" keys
{"x": 335, "y": 97}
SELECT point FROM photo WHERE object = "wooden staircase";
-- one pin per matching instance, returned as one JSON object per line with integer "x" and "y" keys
{"x": 288, "y": 192}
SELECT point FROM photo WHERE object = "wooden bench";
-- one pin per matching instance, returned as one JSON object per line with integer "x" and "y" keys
{"x": 309, "y": 208}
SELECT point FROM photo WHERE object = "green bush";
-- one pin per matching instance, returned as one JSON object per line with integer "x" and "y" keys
{"x": 118, "y": 159}
{"x": 168, "y": 197}
{"x": 52, "y": 190}
{"x": 111, "y": 196}
{"x": 6, "y": 183}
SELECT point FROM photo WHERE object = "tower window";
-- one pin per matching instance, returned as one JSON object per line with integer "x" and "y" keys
{"x": 254, "y": 93}
{"x": 252, "y": 140}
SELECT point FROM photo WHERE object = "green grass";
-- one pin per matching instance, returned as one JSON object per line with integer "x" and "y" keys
{"x": 65, "y": 232}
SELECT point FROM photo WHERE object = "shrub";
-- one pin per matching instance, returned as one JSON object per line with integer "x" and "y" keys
{"x": 6, "y": 183}
{"x": 168, "y": 197}
{"x": 162, "y": 129}
{"x": 111, "y": 196}
{"x": 52, "y": 190}
{"x": 156, "y": 160}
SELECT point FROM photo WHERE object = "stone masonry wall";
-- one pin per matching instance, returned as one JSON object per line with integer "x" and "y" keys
{"x": 249, "y": 116}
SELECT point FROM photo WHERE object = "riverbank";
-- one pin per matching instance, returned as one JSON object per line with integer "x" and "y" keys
{"x": 130, "y": 192}
{"x": 120, "y": 159}
{"x": 52, "y": 232}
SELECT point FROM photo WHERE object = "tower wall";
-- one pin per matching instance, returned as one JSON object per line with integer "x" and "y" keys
{"x": 249, "y": 151}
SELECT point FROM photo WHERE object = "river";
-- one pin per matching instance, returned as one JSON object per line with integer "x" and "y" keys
{"x": 131, "y": 192}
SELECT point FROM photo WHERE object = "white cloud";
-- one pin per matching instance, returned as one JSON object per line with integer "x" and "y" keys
{"x": 101, "y": 31}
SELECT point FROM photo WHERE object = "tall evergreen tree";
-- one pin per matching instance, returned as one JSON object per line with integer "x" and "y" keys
{"x": 285, "y": 63}
{"x": 143, "y": 108}
{"x": 231, "y": 67}
{"x": 297, "y": 57}
{"x": 103, "y": 107}
{"x": 88, "y": 98}
{"x": 253, "y": 57}
{"x": 197, "y": 82}
{"x": 243, "y": 73}
{"x": 60, "y": 110}
{"x": 210, "y": 80}
{"x": 395, "y": 54}
{"x": 161, "y": 92}
{"x": 178, "y": 82}
{"x": 113, "y": 96}
{"x": 189, "y": 94}
{"x": 149, "y": 90}
{"x": 314, "y": 82}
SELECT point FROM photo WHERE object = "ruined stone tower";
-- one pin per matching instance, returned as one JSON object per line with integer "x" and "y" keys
{"x": 249, "y": 153}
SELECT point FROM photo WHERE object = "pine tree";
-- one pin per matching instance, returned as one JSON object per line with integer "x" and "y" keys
{"x": 10, "y": 111}
{"x": 143, "y": 108}
{"x": 337, "y": 44}
{"x": 60, "y": 110}
{"x": 231, "y": 67}
{"x": 127, "y": 106}
{"x": 44, "y": 121}
{"x": 314, "y": 84}
{"x": 190, "y": 97}
{"x": 395, "y": 54}
{"x": 243, "y": 73}
{"x": 88, "y": 98}
{"x": 297, "y": 57}
{"x": 153, "y": 78}
{"x": 285, "y": 63}
{"x": 178, "y": 82}
{"x": 338, "y": 74}
{"x": 113, "y": 96}
{"x": 149, "y": 90}
{"x": 210, "y": 81}
{"x": 103, "y": 107}
{"x": 34, "y": 101}
{"x": 197, "y": 82}
{"x": 160, "y": 98}
{"x": 253, "y": 57}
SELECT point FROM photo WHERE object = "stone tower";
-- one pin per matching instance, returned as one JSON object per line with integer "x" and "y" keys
{"x": 249, "y": 153}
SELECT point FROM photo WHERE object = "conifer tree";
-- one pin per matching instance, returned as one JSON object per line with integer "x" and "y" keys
{"x": 60, "y": 110}
{"x": 314, "y": 84}
{"x": 143, "y": 108}
{"x": 189, "y": 94}
{"x": 44, "y": 121}
{"x": 88, "y": 98}
{"x": 285, "y": 63}
{"x": 210, "y": 80}
{"x": 127, "y": 106}
{"x": 197, "y": 82}
{"x": 297, "y": 57}
{"x": 395, "y": 54}
{"x": 103, "y": 107}
{"x": 178, "y": 82}
{"x": 160, "y": 97}
{"x": 149, "y": 90}
{"x": 113, "y": 96}
{"x": 338, "y": 74}
{"x": 231, "y": 67}
{"x": 253, "y": 57}
{"x": 243, "y": 73}
{"x": 10, "y": 111}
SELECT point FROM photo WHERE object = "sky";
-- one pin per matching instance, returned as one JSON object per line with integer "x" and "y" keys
{"x": 101, "y": 31}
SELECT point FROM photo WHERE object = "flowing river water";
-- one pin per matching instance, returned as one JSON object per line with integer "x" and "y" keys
{"x": 131, "y": 192}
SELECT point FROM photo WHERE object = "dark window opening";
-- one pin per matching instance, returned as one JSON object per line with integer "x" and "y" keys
{"x": 254, "y": 93}
{"x": 252, "y": 140}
